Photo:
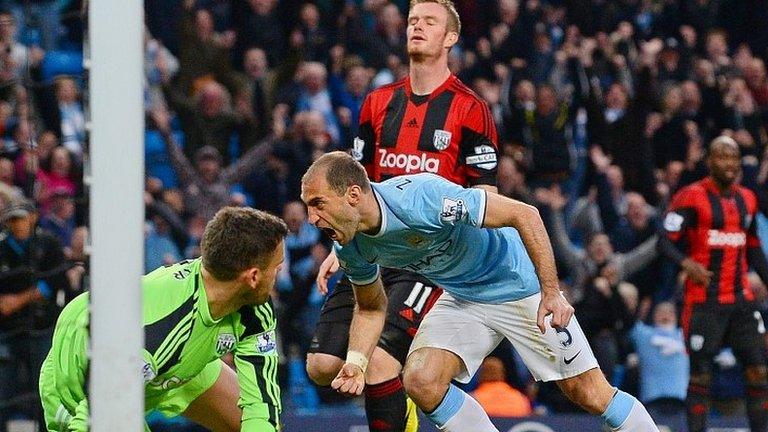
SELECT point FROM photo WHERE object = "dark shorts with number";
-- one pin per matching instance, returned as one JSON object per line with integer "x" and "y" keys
{"x": 709, "y": 327}
{"x": 410, "y": 297}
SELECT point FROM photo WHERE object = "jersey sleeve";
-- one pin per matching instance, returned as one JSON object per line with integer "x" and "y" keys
{"x": 365, "y": 141}
{"x": 680, "y": 216}
{"x": 429, "y": 201}
{"x": 358, "y": 270}
{"x": 256, "y": 361}
{"x": 479, "y": 145}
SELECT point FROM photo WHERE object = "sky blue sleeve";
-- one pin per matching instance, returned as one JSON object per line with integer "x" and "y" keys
{"x": 639, "y": 332}
{"x": 358, "y": 270}
{"x": 447, "y": 203}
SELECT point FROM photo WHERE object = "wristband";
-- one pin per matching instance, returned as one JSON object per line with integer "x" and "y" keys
{"x": 358, "y": 359}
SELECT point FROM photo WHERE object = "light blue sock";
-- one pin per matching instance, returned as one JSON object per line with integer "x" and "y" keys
{"x": 618, "y": 409}
{"x": 451, "y": 404}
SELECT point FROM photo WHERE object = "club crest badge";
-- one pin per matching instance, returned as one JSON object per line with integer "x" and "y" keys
{"x": 442, "y": 139}
{"x": 225, "y": 344}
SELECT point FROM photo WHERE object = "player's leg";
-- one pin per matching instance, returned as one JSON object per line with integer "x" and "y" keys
{"x": 385, "y": 400}
{"x": 703, "y": 338}
{"x": 410, "y": 297}
{"x": 745, "y": 335}
{"x": 441, "y": 351}
{"x": 621, "y": 411}
{"x": 564, "y": 355}
{"x": 328, "y": 348}
{"x": 216, "y": 406}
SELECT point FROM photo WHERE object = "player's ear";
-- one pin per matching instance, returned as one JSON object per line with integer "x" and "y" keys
{"x": 450, "y": 39}
{"x": 252, "y": 276}
{"x": 353, "y": 194}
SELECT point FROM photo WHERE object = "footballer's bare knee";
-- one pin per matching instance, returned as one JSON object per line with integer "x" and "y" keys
{"x": 323, "y": 368}
{"x": 425, "y": 381}
{"x": 382, "y": 367}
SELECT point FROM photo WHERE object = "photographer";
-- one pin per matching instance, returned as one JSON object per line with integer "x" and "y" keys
{"x": 33, "y": 288}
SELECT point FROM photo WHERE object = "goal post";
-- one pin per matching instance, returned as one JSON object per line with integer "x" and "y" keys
{"x": 115, "y": 178}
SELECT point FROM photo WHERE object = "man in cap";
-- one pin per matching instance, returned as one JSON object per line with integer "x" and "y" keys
{"x": 32, "y": 279}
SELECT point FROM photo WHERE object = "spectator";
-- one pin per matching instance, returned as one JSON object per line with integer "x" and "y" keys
{"x": 208, "y": 119}
{"x": 663, "y": 362}
{"x": 57, "y": 177}
{"x": 170, "y": 219}
{"x": 302, "y": 263}
{"x": 498, "y": 398}
{"x": 160, "y": 66}
{"x": 586, "y": 264}
{"x": 757, "y": 81}
{"x": 78, "y": 274}
{"x": 72, "y": 116}
{"x": 33, "y": 287}
{"x": 258, "y": 26}
{"x": 203, "y": 54}
{"x": 7, "y": 177}
{"x": 546, "y": 139}
{"x": 206, "y": 186}
{"x": 62, "y": 112}
{"x": 159, "y": 248}
{"x": 314, "y": 95}
{"x": 511, "y": 180}
{"x": 40, "y": 18}
{"x": 261, "y": 84}
{"x": 348, "y": 95}
{"x": 615, "y": 124}
{"x": 602, "y": 311}
{"x": 388, "y": 39}
{"x": 60, "y": 219}
{"x": 315, "y": 40}
{"x": 15, "y": 57}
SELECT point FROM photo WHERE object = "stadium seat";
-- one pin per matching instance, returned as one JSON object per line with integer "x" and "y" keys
{"x": 62, "y": 63}
{"x": 156, "y": 159}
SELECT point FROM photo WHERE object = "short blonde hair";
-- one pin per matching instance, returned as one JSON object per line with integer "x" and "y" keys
{"x": 454, "y": 22}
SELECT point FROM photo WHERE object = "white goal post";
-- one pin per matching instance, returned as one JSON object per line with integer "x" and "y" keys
{"x": 115, "y": 177}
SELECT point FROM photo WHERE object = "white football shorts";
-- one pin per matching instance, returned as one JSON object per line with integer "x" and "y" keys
{"x": 472, "y": 330}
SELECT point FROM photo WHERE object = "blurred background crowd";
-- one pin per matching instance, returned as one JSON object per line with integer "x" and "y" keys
{"x": 604, "y": 109}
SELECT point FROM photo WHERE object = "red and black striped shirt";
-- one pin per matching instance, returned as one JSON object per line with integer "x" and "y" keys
{"x": 449, "y": 132}
{"x": 716, "y": 229}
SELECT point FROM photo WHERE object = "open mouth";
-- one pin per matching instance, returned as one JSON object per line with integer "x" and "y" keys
{"x": 418, "y": 38}
{"x": 330, "y": 232}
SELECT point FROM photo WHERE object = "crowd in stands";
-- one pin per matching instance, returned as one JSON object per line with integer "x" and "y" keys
{"x": 604, "y": 109}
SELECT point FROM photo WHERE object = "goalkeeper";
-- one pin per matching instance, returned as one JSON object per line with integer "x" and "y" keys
{"x": 194, "y": 313}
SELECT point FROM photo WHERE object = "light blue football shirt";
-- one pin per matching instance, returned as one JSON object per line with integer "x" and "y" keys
{"x": 434, "y": 227}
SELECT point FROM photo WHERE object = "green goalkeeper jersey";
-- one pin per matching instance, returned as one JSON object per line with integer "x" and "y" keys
{"x": 183, "y": 345}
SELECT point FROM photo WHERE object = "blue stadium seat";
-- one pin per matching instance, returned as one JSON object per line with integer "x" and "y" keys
{"x": 156, "y": 160}
{"x": 62, "y": 63}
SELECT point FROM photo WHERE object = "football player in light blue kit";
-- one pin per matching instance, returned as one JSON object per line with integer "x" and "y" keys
{"x": 498, "y": 283}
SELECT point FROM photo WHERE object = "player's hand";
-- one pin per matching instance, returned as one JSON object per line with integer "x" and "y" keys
{"x": 556, "y": 305}
{"x": 697, "y": 272}
{"x": 329, "y": 266}
{"x": 350, "y": 380}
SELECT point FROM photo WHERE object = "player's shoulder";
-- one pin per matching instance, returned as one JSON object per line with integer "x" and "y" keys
{"x": 174, "y": 272}
{"x": 407, "y": 195}
{"x": 386, "y": 90}
{"x": 458, "y": 87}
{"x": 691, "y": 193}
{"x": 747, "y": 194}
{"x": 168, "y": 287}
{"x": 411, "y": 182}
